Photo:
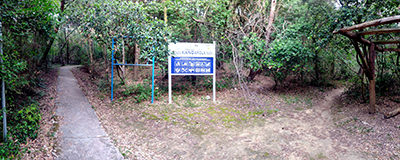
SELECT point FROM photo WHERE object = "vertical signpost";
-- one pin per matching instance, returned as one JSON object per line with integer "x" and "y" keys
{"x": 191, "y": 59}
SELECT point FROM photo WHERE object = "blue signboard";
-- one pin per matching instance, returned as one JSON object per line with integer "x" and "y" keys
{"x": 192, "y": 65}
{"x": 191, "y": 59}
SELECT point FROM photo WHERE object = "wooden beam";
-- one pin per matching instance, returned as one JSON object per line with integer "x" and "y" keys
{"x": 392, "y": 113}
{"x": 387, "y": 42}
{"x": 380, "y": 31}
{"x": 357, "y": 38}
{"x": 387, "y": 20}
{"x": 391, "y": 50}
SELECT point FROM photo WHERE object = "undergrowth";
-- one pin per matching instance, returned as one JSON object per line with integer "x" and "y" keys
{"x": 22, "y": 125}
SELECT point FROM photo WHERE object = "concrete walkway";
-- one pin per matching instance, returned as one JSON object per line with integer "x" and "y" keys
{"x": 82, "y": 136}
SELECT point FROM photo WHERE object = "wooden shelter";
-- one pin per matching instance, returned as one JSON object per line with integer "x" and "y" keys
{"x": 366, "y": 50}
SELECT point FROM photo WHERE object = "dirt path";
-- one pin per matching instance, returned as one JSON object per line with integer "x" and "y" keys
{"x": 296, "y": 135}
{"x": 82, "y": 136}
{"x": 301, "y": 128}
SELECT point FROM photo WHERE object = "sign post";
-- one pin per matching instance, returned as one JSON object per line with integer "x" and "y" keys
{"x": 191, "y": 59}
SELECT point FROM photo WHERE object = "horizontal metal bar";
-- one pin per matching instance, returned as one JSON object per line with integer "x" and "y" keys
{"x": 119, "y": 64}
{"x": 193, "y": 74}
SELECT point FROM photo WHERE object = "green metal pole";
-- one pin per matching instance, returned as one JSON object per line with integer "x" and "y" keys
{"x": 3, "y": 94}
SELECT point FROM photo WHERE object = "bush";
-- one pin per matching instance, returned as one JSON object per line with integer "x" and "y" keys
{"x": 141, "y": 92}
{"x": 9, "y": 149}
{"x": 27, "y": 122}
{"x": 22, "y": 125}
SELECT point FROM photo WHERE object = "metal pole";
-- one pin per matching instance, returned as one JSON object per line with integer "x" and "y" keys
{"x": 214, "y": 73}
{"x": 3, "y": 94}
{"x": 112, "y": 69}
{"x": 152, "y": 83}
{"x": 169, "y": 81}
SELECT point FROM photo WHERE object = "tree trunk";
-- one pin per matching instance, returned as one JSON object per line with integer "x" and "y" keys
{"x": 333, "y": 75}
{"x": 253, "y": 74}
{"x": 137, "y": 54}
{"x": 61, "y": 54}
{"x": 271, "y": 20}
{"x": 43, "y": 60}
{"x": 123, "y": 59}
{"x": 67, "y": 48}
{"x": 91, "y": 56}
{"x": 165, "y": 13}
{"x": 106, "y": 63}
{"x": 317, "y": 68}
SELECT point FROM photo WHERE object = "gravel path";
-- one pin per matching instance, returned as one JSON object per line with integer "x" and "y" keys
{"x": 82, "y": 136}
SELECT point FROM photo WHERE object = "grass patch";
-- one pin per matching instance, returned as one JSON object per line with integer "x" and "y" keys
{"x": 290, "y": 99}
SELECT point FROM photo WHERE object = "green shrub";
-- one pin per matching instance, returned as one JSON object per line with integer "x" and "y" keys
{"x": 9, "y": 149}
{"x": 140, "y": 92}
{"x": 22, "y": 124}
{"x": 103, "y": 85}
{"x": 26, "y": 122}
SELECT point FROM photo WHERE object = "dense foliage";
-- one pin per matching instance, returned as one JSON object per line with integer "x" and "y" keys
{"x": 298, "y": 42}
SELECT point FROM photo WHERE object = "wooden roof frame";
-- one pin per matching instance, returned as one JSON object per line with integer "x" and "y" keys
{"x": 349, "y": 32}
{"x": 366, "y": 58}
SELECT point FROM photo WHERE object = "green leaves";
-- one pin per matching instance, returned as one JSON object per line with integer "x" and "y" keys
{"x": 253, "y": 51}
{"x": 28, "y": 122}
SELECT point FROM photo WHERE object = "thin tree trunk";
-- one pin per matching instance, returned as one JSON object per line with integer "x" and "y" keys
{"x": 67, "y": 48}
{"x": 271, "y": 20}
{"x": 91, "y": 56}
{"x": 165, "y": 13}
{"x": 253, "y": 74}
{"x": 317, "y": 68}
{"x": 333, "y": 69}
{"x": 123, "y": 59}
{"x": 137, "y": 54}
{"x": 106, "y": 63}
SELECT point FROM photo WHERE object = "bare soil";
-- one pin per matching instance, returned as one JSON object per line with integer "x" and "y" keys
{"x": 45, "y": 145}
{"x": 294, "y": 123}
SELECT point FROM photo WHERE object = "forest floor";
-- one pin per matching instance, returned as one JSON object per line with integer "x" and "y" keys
{"x": 296, "y": 122}
{"x": 45, "y": 145}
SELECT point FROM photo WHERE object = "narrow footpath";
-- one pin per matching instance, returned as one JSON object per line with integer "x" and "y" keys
{"x": 82, "y": 136}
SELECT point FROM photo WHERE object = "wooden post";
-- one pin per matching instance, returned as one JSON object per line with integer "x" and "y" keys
{"x": 372, "y": 94}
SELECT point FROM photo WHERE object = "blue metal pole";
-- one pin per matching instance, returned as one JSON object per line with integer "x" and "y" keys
{"x": 152, "y": 83}
{"x": 112, "y": 70}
